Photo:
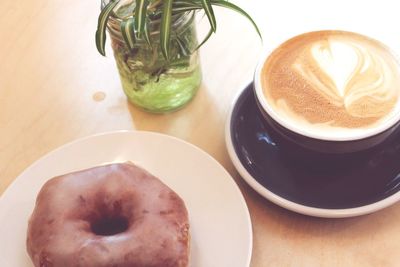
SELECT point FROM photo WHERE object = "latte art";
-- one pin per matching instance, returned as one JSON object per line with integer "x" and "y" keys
{"x": 332, "y": 80}
{"x": 348, "y": 75}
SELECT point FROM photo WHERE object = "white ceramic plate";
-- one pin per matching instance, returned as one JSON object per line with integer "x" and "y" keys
{"x": 221, "y": 233}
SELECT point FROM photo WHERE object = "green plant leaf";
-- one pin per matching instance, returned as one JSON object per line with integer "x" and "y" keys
{"x": 234, "y": 7}
{"x": 186, "y": 3}
{"x": 206, "y": 4}
{"x": 180, "y": 6}
{"x": 179, "y": 10}
{"x": 205, "y": 39}
{"x": 128, "y": 32}
{"x": 140, "y": 15}
{"x": 165, "y": 28}
{"x": 147, "y": 34}
{"x": 102, "y": 25}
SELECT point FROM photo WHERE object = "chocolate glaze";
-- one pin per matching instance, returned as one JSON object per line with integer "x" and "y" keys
{"x": 71, "y": 224}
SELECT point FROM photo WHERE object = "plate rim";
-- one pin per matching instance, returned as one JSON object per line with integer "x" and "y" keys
{"x": 288, "y": 204}
{"x": 235, "y": 186}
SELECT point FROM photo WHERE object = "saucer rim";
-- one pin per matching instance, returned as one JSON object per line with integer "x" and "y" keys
{"x": 283, "y": 202}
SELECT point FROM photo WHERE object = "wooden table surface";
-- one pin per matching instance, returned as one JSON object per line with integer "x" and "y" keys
{"x": 55, "y": 88}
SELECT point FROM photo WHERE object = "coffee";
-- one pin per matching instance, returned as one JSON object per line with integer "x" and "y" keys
{"x": 332, "y": 83}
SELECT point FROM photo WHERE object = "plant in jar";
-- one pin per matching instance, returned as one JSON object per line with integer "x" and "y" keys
{"x": 156, "y": 49}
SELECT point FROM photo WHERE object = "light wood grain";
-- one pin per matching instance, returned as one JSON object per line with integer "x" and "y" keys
{"x": 53, "y": 81}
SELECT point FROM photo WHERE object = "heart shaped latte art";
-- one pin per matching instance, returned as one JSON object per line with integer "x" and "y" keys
{"x": 349, "y": 75}
{"x": 332, "y": 83}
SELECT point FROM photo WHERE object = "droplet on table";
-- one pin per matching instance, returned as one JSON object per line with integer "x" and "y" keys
{"x": 99, "y": 96}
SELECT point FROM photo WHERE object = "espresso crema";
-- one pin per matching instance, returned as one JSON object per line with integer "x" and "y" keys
{"x": 331, "y": 82}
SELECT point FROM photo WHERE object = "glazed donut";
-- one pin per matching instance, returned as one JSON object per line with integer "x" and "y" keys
{"x": 116, "y": 215}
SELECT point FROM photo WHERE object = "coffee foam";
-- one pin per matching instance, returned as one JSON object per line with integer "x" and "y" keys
{"x": 332, "y": 82}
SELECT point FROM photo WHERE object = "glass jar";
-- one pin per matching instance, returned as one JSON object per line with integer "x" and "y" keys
{"x": 148, "y": 79}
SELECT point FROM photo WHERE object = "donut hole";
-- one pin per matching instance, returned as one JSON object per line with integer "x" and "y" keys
{"x": 110, "y": 226}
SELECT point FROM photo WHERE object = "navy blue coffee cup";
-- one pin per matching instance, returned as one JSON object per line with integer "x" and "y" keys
{"x": 345, "y": 142}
